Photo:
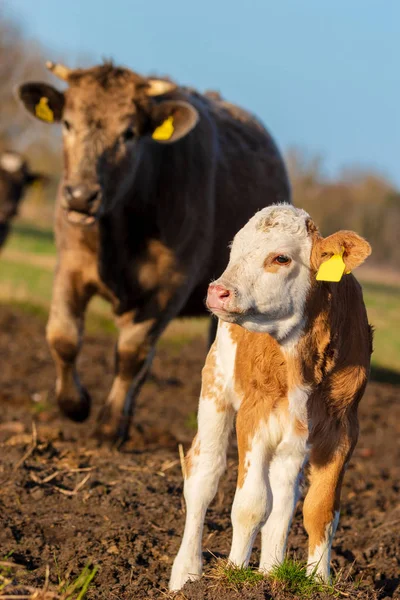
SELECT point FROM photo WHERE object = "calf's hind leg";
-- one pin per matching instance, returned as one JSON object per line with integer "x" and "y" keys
{"x": 64, "y": 336}
{"x": 322, "y": 504}
{"x": 284, "y": 474}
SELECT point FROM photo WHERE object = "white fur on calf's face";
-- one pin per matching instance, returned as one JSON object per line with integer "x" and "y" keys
{"x": 269, "y": 300}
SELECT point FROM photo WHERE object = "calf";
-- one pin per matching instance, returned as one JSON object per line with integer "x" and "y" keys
{"x": 15, "y": 177}
{"x": 291, "y": 358}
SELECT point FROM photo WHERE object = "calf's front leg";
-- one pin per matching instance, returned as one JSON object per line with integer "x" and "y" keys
{"x": 205, "y": 464}
{"x": 252, "y": 503}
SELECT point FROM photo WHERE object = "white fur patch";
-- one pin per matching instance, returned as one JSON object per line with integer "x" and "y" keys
{"x": 298, "y": 398}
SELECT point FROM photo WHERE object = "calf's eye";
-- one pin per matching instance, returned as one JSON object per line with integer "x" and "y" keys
{"x": 282, "y": 260}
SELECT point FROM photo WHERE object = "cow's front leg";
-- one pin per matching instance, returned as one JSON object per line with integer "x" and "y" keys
{"x": 134, "y": 354}
{"x": 64, "y": 335}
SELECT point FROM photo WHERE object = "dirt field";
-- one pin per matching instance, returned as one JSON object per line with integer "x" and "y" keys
{"x": 70, "y": 503}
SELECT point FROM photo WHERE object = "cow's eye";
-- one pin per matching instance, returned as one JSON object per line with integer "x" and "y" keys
{"x": 67, "y": 125}
{"x": 128, "y": 134}
{"x": 281, "y": 259}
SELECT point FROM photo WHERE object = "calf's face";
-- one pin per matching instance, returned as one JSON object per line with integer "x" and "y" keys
{"x": 105, "y": 112}
{"x": 272, "y": 268}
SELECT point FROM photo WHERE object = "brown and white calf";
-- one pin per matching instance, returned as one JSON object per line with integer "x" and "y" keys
{"x": 291, "y": 360}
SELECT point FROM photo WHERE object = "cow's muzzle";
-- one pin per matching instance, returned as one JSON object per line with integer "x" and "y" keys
{"x": 81, "y": 203}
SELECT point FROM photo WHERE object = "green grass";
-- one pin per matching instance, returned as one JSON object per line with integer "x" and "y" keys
{"x": 77, "y": 589}
{"x": 292, "y": 575}
{"x": 383, "y": 305}
{"x": 191, "y": 421}
{"x": 229, "y": 575}
{"x": 289, "y": 577}
{"x": 26, "y": 237}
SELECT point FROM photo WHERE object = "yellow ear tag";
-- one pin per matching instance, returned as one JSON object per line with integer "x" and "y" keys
{"x": 43, "y": 111}
{"x": 165, "y": 130}
{"x": 332, "y": 269}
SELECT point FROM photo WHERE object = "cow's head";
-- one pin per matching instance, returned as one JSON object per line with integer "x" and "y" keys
{"x": 273, "y": 263}
{"x": 106, "y": 113}
{"x": 15, "y": 177}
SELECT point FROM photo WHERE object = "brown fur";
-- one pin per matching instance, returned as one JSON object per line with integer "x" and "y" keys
{"x": 263, "y": 386}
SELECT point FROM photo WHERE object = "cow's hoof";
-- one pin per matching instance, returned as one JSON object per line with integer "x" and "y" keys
{"x": 76, "y": 408}
{"x": 108, "y": 429}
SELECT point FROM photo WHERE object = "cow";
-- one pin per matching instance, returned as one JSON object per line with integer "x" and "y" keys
{"x": 15, "y": 178}
{"x": 157, "y": 179}
{"x": 291, "y": 360}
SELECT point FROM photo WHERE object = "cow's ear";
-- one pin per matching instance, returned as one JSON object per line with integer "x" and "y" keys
{"x": 172, "y": 120}
{"x": 349, "y": 246}
{"x": 43, "y": 101}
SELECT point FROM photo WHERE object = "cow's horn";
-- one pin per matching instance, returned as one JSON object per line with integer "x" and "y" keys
{"x": 58, "y": 70}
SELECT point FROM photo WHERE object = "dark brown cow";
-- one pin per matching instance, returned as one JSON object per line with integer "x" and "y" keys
{"x": 15, "y": 177}
{"x": 157, "y": 180}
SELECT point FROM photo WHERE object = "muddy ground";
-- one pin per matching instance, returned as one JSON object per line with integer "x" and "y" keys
{"x": 71, "y": 503}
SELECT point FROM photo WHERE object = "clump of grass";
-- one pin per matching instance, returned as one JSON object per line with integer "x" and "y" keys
{"x": 293, "y": 577}
{"x": 233, "y": 577}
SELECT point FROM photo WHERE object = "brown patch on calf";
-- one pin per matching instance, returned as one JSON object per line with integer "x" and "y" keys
{"x": 260, "y": 381}
{"x": 194, "y": 451}
{"x": 212, "y": 386}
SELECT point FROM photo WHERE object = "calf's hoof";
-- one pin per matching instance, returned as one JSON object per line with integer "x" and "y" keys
{"x": 76, "y": 407}
{"x": 182, "y": 572}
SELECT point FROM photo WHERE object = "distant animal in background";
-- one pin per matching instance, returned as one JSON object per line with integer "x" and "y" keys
{"x": 15, "y": 178}
{"x": 291, "y": 359}
{"x": 157, "y": 179}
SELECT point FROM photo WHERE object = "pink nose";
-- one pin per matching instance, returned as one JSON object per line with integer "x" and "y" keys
{"x": 217, "y": 296}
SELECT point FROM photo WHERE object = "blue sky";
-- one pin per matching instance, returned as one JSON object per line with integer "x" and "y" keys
{"x": 322, "y": 74}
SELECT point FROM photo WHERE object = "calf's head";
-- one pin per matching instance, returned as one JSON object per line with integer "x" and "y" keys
{"x": 273, "y": 265}
{"x": 106, "y": 112}
{"x": 15, "y": 177}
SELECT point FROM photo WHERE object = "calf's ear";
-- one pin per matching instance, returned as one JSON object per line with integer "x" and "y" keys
{"x": 41, "y": 100}
{"x": 352, "y": 247}
{"x": 171, "y": 120}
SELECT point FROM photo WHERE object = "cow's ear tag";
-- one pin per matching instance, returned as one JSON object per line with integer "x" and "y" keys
{"x": 165, "y": 130}
{"x": 43, "y": 110}
{"x": 332, "y": 269}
